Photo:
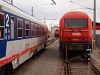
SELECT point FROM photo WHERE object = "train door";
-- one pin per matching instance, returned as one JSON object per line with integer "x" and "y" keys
{"x": 2, "y": 36}
{"x": 1, "y": 26}
{"x": 12, "y": 27}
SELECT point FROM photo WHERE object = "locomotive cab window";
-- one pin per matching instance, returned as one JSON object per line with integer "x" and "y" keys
{"x": 75, "y": 23}
{"x": 12, "y": 27}
{"x": 27, "y": 29}
{"x": 1, "y": 26}
{"x": 19, "y": 28}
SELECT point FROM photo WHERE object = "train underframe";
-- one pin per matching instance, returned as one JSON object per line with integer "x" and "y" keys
{"x": 75, "y": 50}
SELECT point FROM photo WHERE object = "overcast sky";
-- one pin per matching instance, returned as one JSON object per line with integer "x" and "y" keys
{"x": 46, "y": 8}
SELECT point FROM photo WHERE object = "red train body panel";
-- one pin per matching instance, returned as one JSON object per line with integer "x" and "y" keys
{"x": 75, "y": 32}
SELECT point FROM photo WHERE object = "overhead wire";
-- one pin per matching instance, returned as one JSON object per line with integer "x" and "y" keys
{"x": 81, "y": 5}
{"x": 54, "y": 2}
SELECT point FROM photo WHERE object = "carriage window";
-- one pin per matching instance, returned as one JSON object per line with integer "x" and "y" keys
{"x": 19, "y": 28}
{"x": 36, "y": 29}
{"x": 43, "y": 31}
{"x": 32, "y": 29}
{"x": 27, "y": 29}
{"x": 39, "y": 30}
{"x": 1, "y": 26}
{"x": 12, "y": 27}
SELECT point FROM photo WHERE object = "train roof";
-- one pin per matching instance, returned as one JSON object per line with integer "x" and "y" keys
{"x": 14, "y": 10}
{"x": 75, "y": 14}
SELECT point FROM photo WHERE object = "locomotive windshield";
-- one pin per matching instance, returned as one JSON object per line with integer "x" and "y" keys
{"x": 75, "y": 23}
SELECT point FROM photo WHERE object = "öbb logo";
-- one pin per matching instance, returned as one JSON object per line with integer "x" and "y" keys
{"x": 76, "y": 34}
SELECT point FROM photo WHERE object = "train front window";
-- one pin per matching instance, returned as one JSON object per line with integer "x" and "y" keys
{"x": 75, "y": 23}
{"x": 1, "y": 26}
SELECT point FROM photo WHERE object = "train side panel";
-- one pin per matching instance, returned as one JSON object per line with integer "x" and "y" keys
{"x": 14, "y": 49}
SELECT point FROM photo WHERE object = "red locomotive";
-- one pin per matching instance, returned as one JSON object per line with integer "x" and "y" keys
{"x": 75, "y": 34}
{"x": 56, "y": 33}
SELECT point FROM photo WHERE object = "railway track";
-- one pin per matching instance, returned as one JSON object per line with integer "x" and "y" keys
{"x": 78, "y": 68}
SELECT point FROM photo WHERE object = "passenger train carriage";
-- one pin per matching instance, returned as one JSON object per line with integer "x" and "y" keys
{"x": 75, "y": 34}
{"x": 21, "y": 35}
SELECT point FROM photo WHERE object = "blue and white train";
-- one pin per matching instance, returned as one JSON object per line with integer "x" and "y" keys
{"x": 21, "y": 36}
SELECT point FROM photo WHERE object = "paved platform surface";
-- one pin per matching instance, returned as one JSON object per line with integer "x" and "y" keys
{"x": 47, "y": 62}
{"x": 95, "y": 59}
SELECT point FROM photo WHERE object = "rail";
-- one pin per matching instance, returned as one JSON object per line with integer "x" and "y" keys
{"x": 95, "y": 70}
{"x": 77, "y": 67}
{"x": 50, "y": 41}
